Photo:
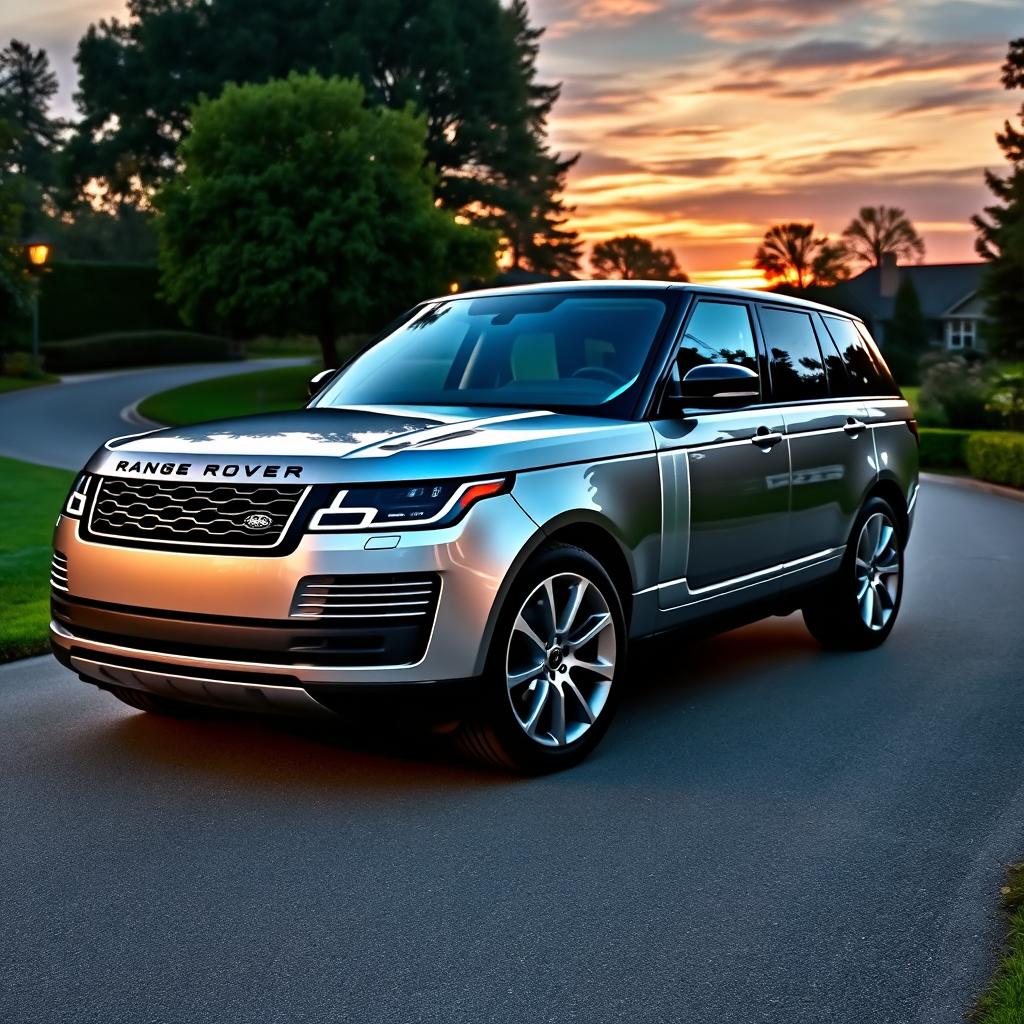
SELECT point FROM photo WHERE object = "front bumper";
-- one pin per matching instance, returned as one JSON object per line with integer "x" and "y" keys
{"x": 142, "y": 617}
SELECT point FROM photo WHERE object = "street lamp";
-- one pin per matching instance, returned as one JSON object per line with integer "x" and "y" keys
{"x": 37, "y": 252}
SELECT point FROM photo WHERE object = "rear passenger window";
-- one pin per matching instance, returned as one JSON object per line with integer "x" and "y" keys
{"x": 797, "y": 369}
{"x": 717, "y": 332}
{"x": 867, "y": 375}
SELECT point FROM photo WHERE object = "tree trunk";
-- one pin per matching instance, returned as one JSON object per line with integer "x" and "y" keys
{"x": 327, "y": 335}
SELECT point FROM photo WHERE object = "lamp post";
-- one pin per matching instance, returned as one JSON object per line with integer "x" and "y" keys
{"x": 37, "y": 252}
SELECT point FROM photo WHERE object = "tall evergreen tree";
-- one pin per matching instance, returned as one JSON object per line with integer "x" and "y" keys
{"x": 469, "y": 66}
{"x": 906, "y": 335}
{"x": 1001, "y": 230}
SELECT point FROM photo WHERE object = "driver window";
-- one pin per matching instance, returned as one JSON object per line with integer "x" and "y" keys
{"x": 717, "y": 332}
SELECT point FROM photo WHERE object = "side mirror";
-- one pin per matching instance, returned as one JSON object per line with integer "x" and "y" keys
{"x": 717, "y": 386}
{"x": 318, "y": 380}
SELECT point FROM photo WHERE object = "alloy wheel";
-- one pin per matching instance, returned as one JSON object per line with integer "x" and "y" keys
{"x": 877, "y": 568}
{"x": 561, "y": 659}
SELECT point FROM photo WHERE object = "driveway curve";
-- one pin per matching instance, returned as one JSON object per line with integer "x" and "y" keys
{"x": 63, "y": 424}
{"x": 769, "y": 834}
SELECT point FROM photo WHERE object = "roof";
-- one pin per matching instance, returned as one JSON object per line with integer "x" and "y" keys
{"x": 647, "y": 286}
{"x": 939, "y": 286}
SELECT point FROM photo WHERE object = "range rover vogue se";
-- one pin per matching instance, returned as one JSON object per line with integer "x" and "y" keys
{"x": 494, "y": 499}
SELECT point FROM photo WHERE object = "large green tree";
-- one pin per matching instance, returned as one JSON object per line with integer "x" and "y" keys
{"x": 469, "y": 66}
{"x": 906, "y": 335}
{"x": 300, "y": 208}
{"x": 13, "y": 282}
{"x": 1001, "y": 230}
{"x": 629, "y": 257}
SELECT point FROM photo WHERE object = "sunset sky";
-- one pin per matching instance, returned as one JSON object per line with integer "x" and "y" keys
{"x": 703, "y": 121}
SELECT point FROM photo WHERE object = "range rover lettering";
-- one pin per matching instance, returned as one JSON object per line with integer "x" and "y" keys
{"x": 489, "y": 504}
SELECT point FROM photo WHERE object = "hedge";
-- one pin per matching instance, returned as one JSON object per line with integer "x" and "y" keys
{"x": 997, "y": 456}
{"x": 943, "y": 449}
{"x": 81, "y": 299}
{"x": 134, "y": 348}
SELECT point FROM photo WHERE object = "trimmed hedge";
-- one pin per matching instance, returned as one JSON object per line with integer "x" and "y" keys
{"x": 81, "y": 299}
{"x": 997, "y": 456}
{"x": 943, "y": 449}
{"x": 134, "y": 348}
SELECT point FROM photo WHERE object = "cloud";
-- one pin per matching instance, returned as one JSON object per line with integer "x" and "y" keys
{"x": 836, "y": 160}
{"x": 743, "y": 20}
{"x": 956, "y": 102}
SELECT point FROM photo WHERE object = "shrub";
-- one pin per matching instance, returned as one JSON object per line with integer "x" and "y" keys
{"x": 943, "y": 449}
{"x": 953, "y": 394}
{"x": 134, "y": 348}
{"x": 21, "y": 365}
{"x": 997, "y": 457}
{"x": 1006, "y": 396}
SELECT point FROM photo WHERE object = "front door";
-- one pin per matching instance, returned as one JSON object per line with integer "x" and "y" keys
{"x": 725, "y": 474}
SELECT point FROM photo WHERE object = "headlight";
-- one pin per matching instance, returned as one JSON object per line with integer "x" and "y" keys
{"x": 408, "y": 506}
{"x": 76, "y": 500}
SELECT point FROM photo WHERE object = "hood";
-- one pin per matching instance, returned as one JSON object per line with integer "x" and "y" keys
{"x": 370, "y": 444}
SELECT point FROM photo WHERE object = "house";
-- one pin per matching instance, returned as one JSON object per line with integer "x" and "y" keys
{"x": 948, "y": 293}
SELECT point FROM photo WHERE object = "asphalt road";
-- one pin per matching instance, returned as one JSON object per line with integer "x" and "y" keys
{"x": 63, "y": 424}
{"x": 768, "y": 833}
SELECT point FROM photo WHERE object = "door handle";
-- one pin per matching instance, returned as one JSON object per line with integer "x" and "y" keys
{"x": 854, "y": 426}
{"x": 766, "y": 439}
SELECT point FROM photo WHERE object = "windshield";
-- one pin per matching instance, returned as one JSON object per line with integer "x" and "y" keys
{"x": 535, "y": 351}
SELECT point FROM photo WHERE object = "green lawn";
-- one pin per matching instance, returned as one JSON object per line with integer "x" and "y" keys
{"x": 18, "y": 383}
{"x": 1003, "y": 1001}
{"x": 263, "y": 391}
{"x": 911, "y": 395}
{"x": 30, "y": 499}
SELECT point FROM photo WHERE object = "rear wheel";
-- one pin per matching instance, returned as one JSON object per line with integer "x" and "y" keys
{"x": 554, "y": 666}
{"x": 857, "y": 608}
{"x": 154, "y": 704}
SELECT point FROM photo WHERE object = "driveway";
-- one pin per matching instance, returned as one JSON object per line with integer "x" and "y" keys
{"x": 63, "y": 424}
{"x": 769, "y": 833}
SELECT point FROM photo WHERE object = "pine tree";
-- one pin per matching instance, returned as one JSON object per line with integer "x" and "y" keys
{"x": 906, "y": 335}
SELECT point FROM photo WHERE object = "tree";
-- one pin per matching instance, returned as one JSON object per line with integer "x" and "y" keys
{"x": 906, "y": 335}
{"x": 27, "y": 88}
{"x": 791, "y": 254}
{"x": 1001, "y": 231}
{"x": 469, "y": 66}
{"x": 628, "y": 257}
{"x": 880, "y": 231}
{"x": 13, "y": 283}
{"x": 300, "y": 208}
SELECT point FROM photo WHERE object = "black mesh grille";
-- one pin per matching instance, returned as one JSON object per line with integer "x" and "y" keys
{"x": 206, "y": 515}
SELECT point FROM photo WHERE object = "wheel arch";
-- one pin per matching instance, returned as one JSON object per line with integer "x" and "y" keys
{"x": 889, "y": 490}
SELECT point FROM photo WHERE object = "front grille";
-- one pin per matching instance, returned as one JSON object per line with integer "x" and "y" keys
{"x": 59, "y": 571}
{"x": 401, "y": 596}
{"x": 197, "y": 514}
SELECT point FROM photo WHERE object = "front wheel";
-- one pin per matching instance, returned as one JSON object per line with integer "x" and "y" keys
{"x": 554, "y": 666}
{"x": 857, "y": 608}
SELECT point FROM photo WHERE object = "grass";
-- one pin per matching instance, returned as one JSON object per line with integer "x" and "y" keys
{"x": 19, "y": 383}
{"x": 1003, "y": 1000}
{"x": 30, "y": 499}
{"x": 911, "y": 395}
{"x": 224, "y": 397}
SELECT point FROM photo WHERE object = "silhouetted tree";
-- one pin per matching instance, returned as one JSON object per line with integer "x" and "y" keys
{"x": 630, "y": 257}
{"x": 880, "y": 231}
{"x": 301, "y": 209}
{"x": 1001, "y": 231}
{"x": 792, "y": 254}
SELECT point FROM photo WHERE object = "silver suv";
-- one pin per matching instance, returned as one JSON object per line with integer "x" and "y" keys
{"x": 480, "y": 511}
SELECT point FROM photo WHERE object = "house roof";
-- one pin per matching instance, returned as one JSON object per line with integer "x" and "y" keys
{"x": 939, "y": 286}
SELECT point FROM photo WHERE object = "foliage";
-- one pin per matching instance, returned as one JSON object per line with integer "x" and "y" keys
{"x": 1006, "y": 396}
{"x": 791, "y": 254}
{"x": 1003, "y": 999}
{"x": 83, "y": 233}
{"x": 469, "y": 66}
{"x": 13, "y": 280}
{"x": 907, "y": 336}
{"x": 242, "y": 394}
{"x": 943, "y": 449}
{"x": 880, "y": 231}
{"x": 134, "y": 348}
{"x": 79, "y": 299}
{"x": 953, "y": 393}
{"x": 22, "y": 365}
{"x": 997, "y": 457}
{"x": 629, "y": 257}
{"x": 301, "y": 210}
{"x": 30, "y": 498}
{"x": 1001, "y": 231}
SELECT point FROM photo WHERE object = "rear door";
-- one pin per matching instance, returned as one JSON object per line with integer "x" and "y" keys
{"x": 831, "y": 450}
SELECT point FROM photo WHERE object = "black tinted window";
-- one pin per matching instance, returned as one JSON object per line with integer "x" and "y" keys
{"x": 718, "y": 332}
{"x": 797, "y": 369}
{"x": 867, "y": 376}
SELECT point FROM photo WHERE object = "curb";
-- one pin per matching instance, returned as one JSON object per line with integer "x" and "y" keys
{"x": 969, "y": 483}
{"x": 131, "y": 415}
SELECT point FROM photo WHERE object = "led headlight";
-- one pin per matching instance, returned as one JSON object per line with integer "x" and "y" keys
{"x": 408, "y": 506}
{"x": 76, "y": 500}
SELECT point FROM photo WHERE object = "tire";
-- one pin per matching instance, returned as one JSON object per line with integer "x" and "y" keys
{"x": 856, "y": 609}
{"x": 154, "y": 704}
{"x": 550, "y": 687}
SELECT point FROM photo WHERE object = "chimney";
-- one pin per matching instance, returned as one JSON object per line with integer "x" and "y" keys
{"x": 888, "y": 276}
